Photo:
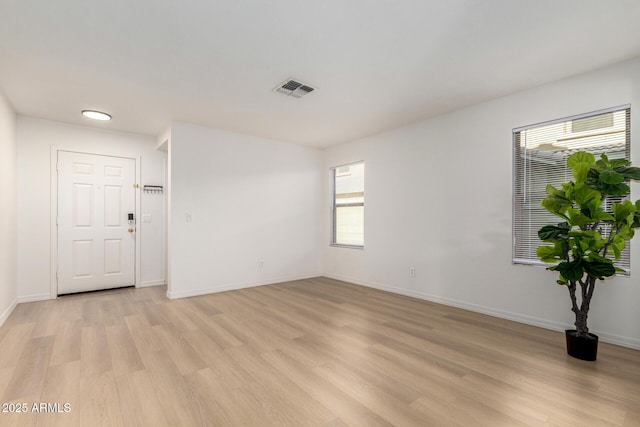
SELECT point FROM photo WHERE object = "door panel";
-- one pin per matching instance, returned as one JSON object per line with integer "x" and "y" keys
{"x": 82, "y": 205}
{"x": 82, "y": 258}
{"x": 112, "y": 256}
{"x": 112, "y": 206}
{"x": 96, "y": 250}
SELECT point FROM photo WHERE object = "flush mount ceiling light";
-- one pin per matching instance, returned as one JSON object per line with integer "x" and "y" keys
{"x": 293, "y": 88}
{"x": 96, "y": 115}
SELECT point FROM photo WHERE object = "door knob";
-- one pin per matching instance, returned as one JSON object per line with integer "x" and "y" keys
{"x": 130, "y": 230}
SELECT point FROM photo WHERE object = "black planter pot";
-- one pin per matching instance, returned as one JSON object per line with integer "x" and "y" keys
{"x": 582, "y": 348}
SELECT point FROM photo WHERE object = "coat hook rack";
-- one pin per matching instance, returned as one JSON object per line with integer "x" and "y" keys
{"x": 153, "y": 189}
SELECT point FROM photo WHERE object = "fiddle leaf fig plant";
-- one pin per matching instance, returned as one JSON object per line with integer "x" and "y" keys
{"x": 584, "y": 245}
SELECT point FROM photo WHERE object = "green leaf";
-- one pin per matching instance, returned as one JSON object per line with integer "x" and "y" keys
{"x": 593, "y": 178}
{"x": 578, "y": 219}
{"x": 580, "y": 157}
{"x": 616, "y": 252}
{"x": 553, "y": 191}
{"x": 555, "y": 253}
{"x": 600, "y": 269}
{"x": 570, "y": 270}
{"x": 617, "y": 246}
{"x": 601, "y": 165}
{"x": 622, "y": 211}
{"x": 585, "y": 196}
{"x": 625, "y": 233}
{"x": 616, "y": 190}
{"x": 580, "y": 171}
{"x": 611, "y": 177}
{"x": 549, "y": 232}
{"x": 557, "y": 205}
{"x": 600, "y": 215}
{"x": 629, "y": 172}
{"x": 618, "y": 163}
{"x": 547, "y": 254}
{"x": 595, "y": 257}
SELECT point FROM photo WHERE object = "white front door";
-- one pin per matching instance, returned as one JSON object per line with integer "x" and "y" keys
{"x": 96, "y": 241}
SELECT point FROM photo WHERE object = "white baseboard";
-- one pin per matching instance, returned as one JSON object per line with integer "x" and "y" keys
{"x": 235, "y": 286}
{"x": 617, "y": 339}
{"x": 528, "y": 320}
{"x": 33, "y": 298}
{"x": 5, "y": 315}
{"x": 151, "y": 283}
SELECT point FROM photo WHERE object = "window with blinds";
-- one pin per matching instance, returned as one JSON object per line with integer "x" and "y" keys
{"x": 540, "y": 158}
{"x": 348, "y": 205}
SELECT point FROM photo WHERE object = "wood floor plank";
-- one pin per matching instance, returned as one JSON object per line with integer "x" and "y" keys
{"x": 179, "y": 350}
{"x": 287, "y": 399}
{"x": 143, "y": 335}
{"x": 62, "y": 386}
{"x": 67, "y": 344}
{"x": 138, "y": 401}
{"x": 180, "y": 407}
{"x": 315, "y": 352}
{"x": 99, "y": 400}
{"x": 369, "y": 395}
{"x": 125, "y": 358}
{"x": 345, "y": 406}
{"x": 28, "y": 376}
{"x": 95, "y": 357}
{"x": 15, "y": 339}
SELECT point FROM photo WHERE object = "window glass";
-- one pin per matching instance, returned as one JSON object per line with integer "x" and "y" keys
{"x": 348, "y": 205}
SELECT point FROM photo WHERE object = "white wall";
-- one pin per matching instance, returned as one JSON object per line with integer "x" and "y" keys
{"x": 250, "y": 200}
{"x": 438, "y": 198}
{"x": 8, "y": 210}
{"x": 35, "y": 139}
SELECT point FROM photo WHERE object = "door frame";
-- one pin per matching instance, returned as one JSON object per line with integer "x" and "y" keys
{"x": 54, "y": 214}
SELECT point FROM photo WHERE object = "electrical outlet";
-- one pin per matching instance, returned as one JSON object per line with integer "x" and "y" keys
{"x": 412, "y": 272}
{"x": 261, "y": 265}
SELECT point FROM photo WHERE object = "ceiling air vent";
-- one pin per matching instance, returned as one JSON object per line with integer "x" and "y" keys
{"x": 294, "y": 88}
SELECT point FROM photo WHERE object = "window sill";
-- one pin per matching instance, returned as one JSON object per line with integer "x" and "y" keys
{"x": 536, "y": 263}
{"x": 338, "y": 245}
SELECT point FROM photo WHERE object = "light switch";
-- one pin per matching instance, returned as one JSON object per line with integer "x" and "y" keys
{"x": 188, "y": 216}
{"x": 146, "y": 217}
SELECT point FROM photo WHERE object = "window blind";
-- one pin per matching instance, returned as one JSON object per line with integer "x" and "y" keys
{"x": 540, "y": 158}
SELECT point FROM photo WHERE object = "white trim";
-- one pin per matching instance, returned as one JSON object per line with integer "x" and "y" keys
{"x": 138, "y": 221}
{"x": 235, "y": 286}
{"x": 502, "y": 314}
{"x": 53, "y": 266}
{"x": 4, "y": 316}
{"x": 346, "y": 164}
{"x": 149, "y": 283}
{"x": 576, "y": 117}
{"x": 34, "y": 297}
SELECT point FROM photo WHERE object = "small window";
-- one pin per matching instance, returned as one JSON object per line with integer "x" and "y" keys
{"x": 348, "y": 205}
{"x": 540, "y": 158}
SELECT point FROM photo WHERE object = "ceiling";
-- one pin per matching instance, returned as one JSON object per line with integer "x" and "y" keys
{"x": 376, "y": 65}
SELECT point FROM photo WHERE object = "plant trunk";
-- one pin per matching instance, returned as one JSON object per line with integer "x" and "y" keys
{"x": 582, "y": 330}
{"x": 582, "y": 312}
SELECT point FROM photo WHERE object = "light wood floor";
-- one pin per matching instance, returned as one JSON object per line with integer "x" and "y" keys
{"x": 309, "y": 353}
